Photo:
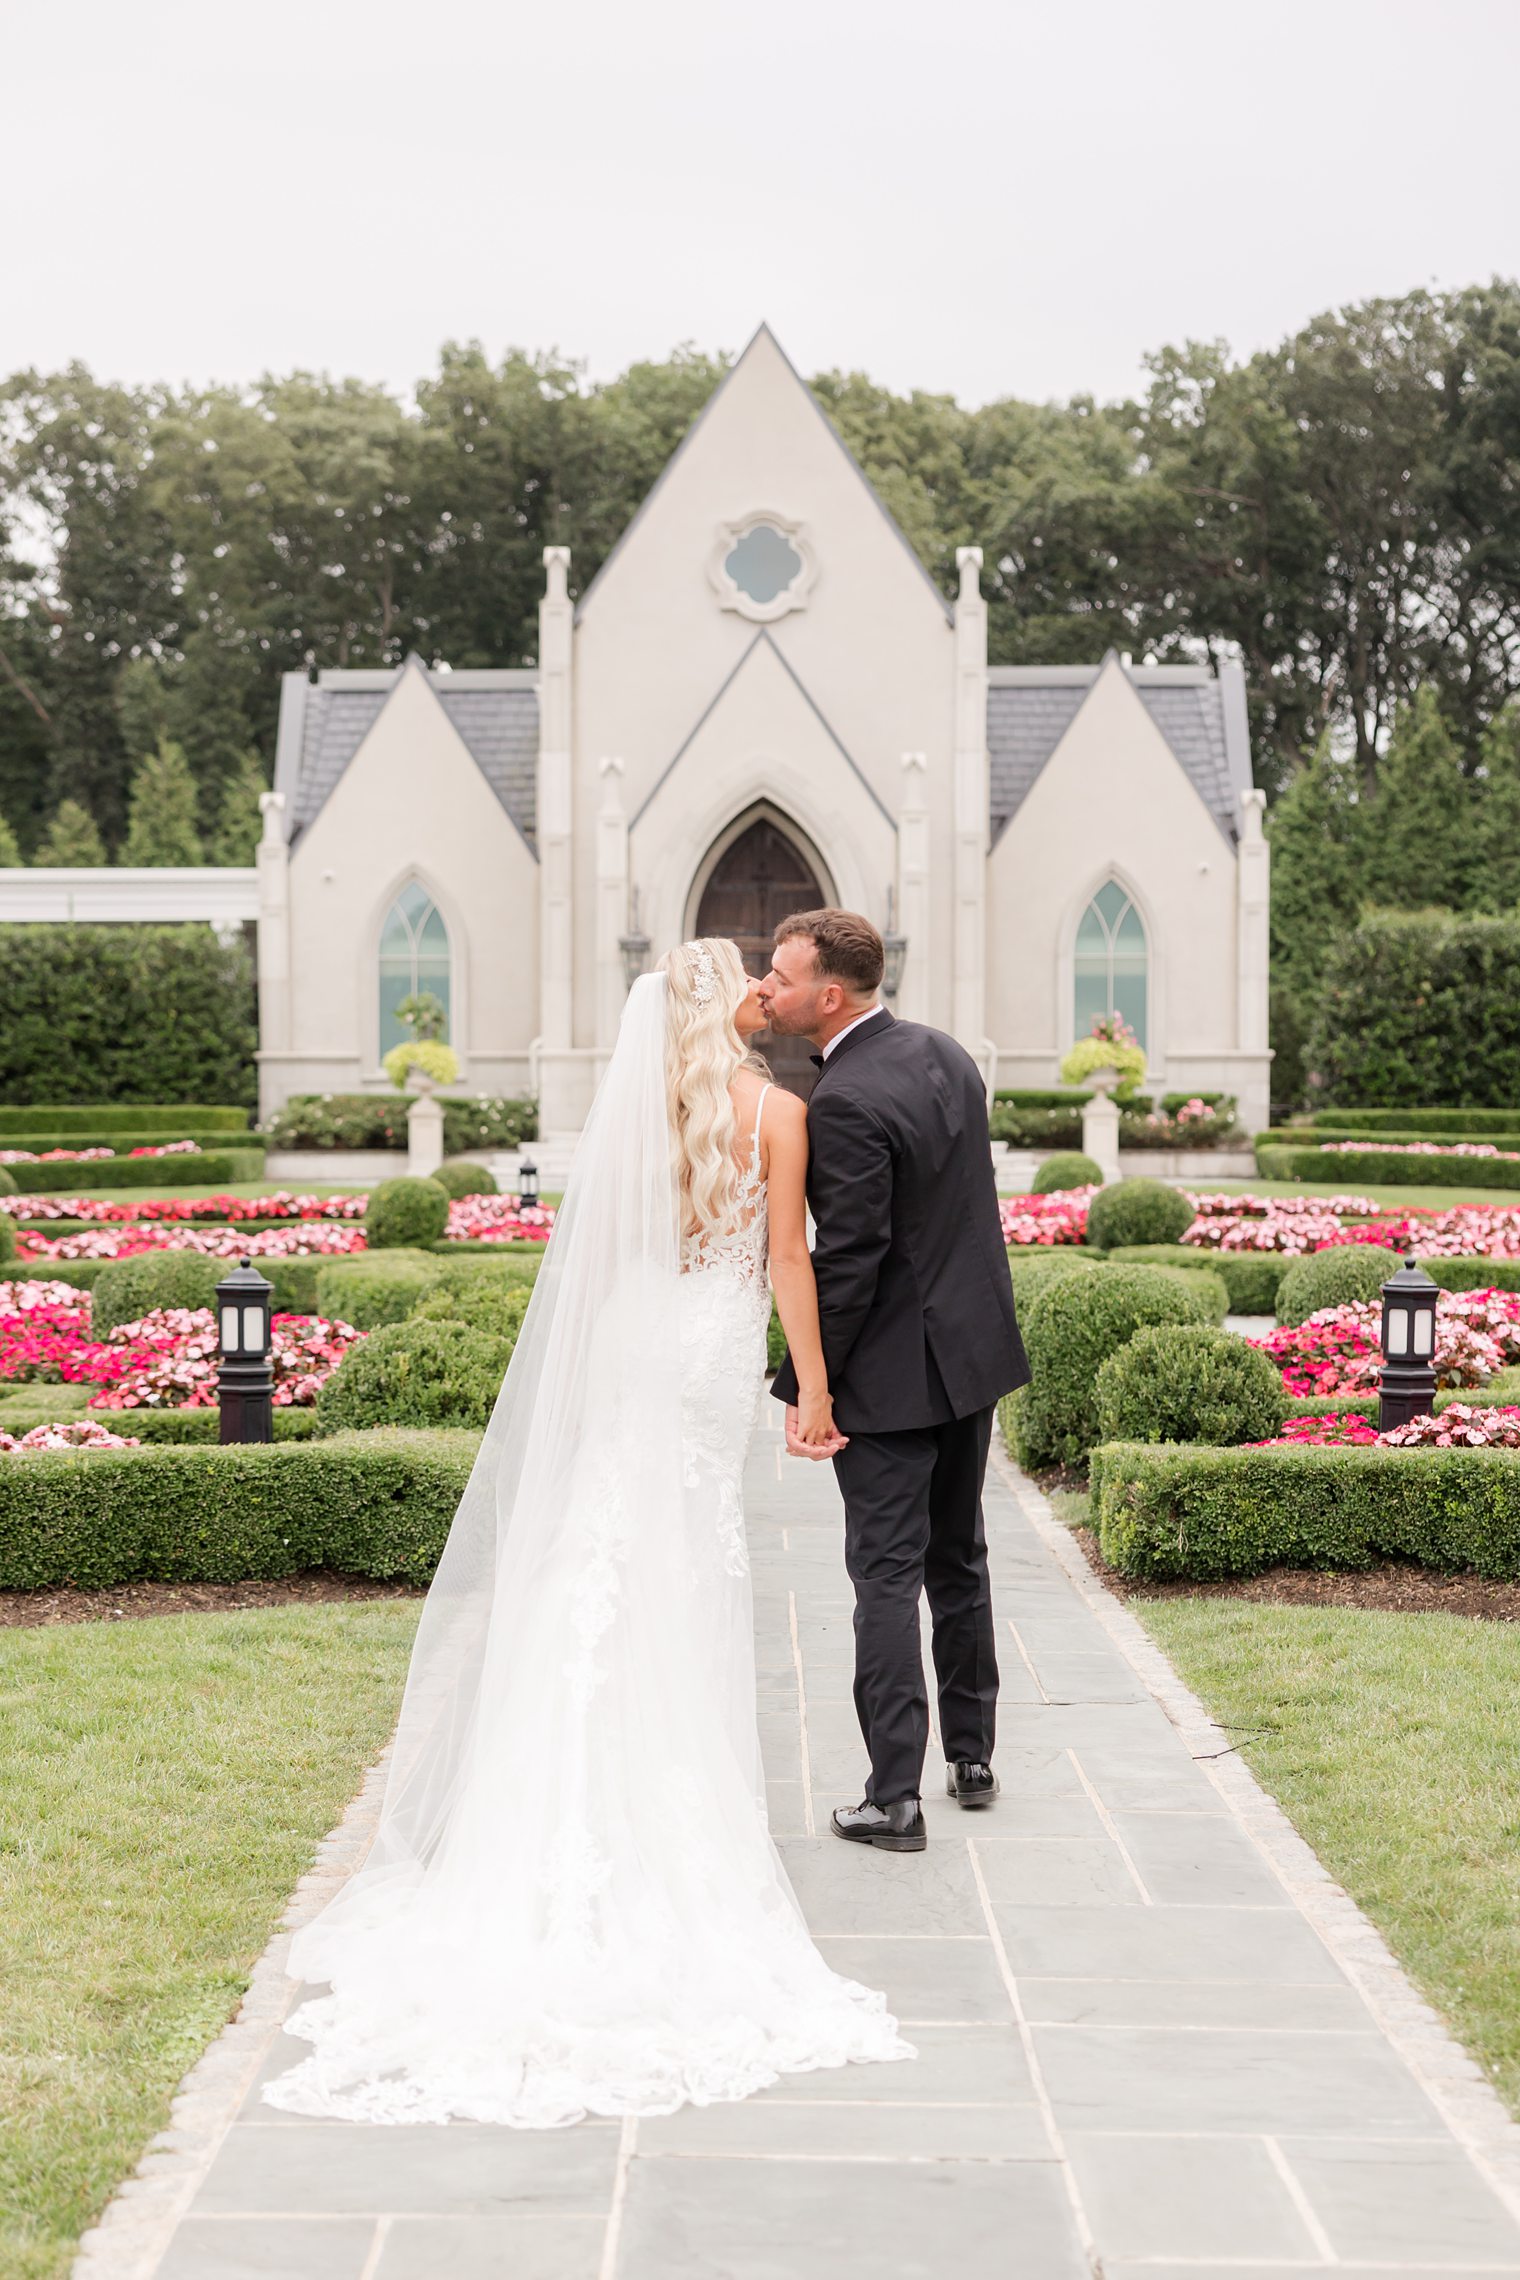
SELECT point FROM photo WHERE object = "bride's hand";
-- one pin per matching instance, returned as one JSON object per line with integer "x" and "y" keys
{"x": 815, "y": 1422}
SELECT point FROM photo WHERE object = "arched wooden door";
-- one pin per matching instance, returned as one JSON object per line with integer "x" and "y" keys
{"x": 754, "y": 885}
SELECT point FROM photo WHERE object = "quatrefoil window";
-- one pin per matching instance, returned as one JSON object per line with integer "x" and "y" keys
{"x": 762, "y": 567}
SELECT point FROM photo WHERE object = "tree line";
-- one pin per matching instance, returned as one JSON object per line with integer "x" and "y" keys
{"x": 1342, "y": 509}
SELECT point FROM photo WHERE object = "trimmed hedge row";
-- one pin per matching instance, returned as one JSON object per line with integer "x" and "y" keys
{"x": 1321, "y": 1136}
{"x": 1252, "y": 1278}
{"x": 218, "y": 1167}
{"x": 375, "y": 1504}
{"x": 1179, "y": 1512}
{"x": 294, "y": 1280}
{"x": 117, "y": 1122}
{"x": 193, "y": 1427}
{"x": 126, "y": 1013}
{"x": 1427, "y": 1122}
{"x": 1388, "y": 1166}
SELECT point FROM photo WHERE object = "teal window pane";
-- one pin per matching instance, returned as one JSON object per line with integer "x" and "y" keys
{"x": 1112, "y": 963}
{"x": 414, "y": 956}
{"x": 763, "y": 563}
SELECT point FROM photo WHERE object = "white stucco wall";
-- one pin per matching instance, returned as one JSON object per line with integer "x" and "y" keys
{"x": 411, "y": 804}
{"x": 873, "y": 648}
{"x": 1113, "y": 800}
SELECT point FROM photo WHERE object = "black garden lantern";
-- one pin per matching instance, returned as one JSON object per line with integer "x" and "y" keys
{"x": 527, "y": 1182}
{"x": 1408, "y": 1383}
{"x": 245, "y": 1388}
{"x": 634, "y": 947}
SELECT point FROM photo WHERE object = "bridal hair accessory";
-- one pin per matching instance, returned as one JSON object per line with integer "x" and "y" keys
{"x": 704, "y": 978}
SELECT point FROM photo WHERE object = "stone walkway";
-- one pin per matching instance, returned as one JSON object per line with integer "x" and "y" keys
{"x": 1155, "y": 2040}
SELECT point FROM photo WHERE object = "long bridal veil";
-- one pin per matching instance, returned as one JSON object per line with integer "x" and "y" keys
{"x": 572, "y": 1903}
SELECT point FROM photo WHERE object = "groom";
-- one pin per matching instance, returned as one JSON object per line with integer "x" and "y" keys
{"x": 916, "y": 1309}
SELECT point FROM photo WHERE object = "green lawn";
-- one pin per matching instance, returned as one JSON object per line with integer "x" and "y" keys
{"x": 1396, "y": 1198}
{"x": 166, "y": 1783}
{"x": 1390, "y": 1742}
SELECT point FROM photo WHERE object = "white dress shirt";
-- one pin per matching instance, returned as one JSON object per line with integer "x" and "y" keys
{"x": 840, "y": 1035}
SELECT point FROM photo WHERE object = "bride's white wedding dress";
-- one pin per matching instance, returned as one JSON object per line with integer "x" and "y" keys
{"x": 574, "y": 1905}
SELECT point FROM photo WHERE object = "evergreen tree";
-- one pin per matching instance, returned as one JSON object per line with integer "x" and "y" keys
{"x": 10, "y": 847}
{"x": 1316, "y": 901}
{"x": 71, "y": 842}
{"x": 1496, "y": 867}
{"x": 141, "y": 708}
{"x": 161, "y": 817}
{"x": 235, "y": 838}
{"x": 1417, "y": 844}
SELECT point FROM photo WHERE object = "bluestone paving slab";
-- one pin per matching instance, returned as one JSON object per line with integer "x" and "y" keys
{"x": 824, "y": 2220}
{"x": 1228, "y": 2079}
{"x": 491, "y": 2248}
{"x": 269, "y": 2248}
{"x": 1396, "y": 2201}
{"x": 1137, "y": 2051}
{"x": 1195, "y": 2197}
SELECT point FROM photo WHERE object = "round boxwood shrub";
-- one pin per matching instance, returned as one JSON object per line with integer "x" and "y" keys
{"x": 488, "y": 1303}
{"x": 1032, "y": 1270}
{"x": 1337, "y": 1277}
{"x": 1074, "y": 1325}
{"x": 7, "y": 1239}
{"x": 1138, "y": 1211}
{"x": 1175, "y": 1382}
{"x": 7, "y": 1182}
{"x": 1206, "y": 1284}
{"x": 460, "y": 1177}
{"x": 405, "y": 1213}
{"x": 127, "y": 1289}
{"x": 415, "y": 1373}
{"x": 1071, "y": 1170}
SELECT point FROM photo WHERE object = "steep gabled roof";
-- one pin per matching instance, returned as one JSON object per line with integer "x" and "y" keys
{"x": 1201, "y": 715}
{"x": 324, "y": 722}
{"x": 761, "y": 332}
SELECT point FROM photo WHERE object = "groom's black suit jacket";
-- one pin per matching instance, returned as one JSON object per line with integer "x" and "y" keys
{"x": 914, "y": 1297}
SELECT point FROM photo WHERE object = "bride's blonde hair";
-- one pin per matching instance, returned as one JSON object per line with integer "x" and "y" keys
{"x": 706, "y": 985}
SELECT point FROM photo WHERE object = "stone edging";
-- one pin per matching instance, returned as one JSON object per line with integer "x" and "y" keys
{"x": 1456, "y": 2084}
{"x": 139, "y": 2220}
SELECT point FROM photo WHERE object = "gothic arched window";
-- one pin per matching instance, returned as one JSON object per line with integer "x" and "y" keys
{"x": 1112, "y": 963}
{"x": 414, "y": 955}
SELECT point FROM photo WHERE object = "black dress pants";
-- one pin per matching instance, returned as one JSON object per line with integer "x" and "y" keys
{"x": 913, "y": 1524}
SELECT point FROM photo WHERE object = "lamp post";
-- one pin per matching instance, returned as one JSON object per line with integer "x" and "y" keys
{"x": 245, "y": 1386}
{"x": 1407, "y": 1386}
{"x": 527, "y": 1182}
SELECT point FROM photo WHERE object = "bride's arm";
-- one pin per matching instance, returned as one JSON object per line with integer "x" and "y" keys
{"x": 785, "y": 1134}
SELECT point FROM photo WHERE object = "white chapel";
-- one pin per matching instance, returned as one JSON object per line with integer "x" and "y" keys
{"x": 761, "y": 703}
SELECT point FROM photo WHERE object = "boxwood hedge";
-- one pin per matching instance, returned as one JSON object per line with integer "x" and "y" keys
{"x": 1342, "y": 1275}
{"x": 118, "y": 1119}
{"x": 1189, "y": 1512}
{"x": 1137, "y": 1211}
{"x": 1250, "y": 1277}
{"x": 218, "y": 1167}
{"x": 1071, "y": 1329}
{"x": 1177, "y": 1382}
{"x": 374, "y": 1504}
{"x": 1367, "y": 1165}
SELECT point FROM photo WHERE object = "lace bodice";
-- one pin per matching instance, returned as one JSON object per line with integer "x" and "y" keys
{"x": 742, "y": 1247}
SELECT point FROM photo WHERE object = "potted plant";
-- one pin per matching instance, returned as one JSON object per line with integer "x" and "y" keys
{"x": 423, "y": 1059}
{"x": 1111, "y": 1059}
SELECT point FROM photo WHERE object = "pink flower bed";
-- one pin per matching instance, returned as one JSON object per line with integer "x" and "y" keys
{"x": 1060, "y": 1217}
{"x": 1337, "y": 1350}
{"x": 171, "y": 1358}
{"x": 1457, "y": 1426}
{"x": 75, "y": 1433}
{"x": 1337, "y": 1429}
{"x": 184, "y": 1211}
{"x": 99, "y": 1155}
{"x": 225, "y": 1243}
{"x": 498, "y": 1219}
{"x": 1418, "y": 1148}
{"x": 1464, "y": 1231}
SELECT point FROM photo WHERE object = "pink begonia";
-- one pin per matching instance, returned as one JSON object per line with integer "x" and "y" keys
{"x": 22, "y": 1297}
{"x": 182, "y": 1211}
{"x": 172, "y": 1359}
{"x": 1337, "y": 1349}
{"x": 304, "y": 1242}
{"x": 72, "y": 1433}
{"x": 1044, "y": 1220}
{"x": 1337, "y": 1429}
{"x": 1372, "y": 1145}
{"x": 1458, "y": 1426}
{"x": 498, "y": 1219}
{"x": 55, "y": 1155}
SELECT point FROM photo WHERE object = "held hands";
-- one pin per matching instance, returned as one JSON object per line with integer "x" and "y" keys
{"x": 810, "y": 1428}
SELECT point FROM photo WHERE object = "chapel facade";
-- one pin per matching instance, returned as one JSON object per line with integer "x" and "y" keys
{"x": 761, "y": 703}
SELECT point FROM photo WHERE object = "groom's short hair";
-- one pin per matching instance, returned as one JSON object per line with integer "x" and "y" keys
{"x": 846, "y": 947}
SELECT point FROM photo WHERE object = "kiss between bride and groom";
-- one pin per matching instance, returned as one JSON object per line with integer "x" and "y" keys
{"x": 573, "y": 1904}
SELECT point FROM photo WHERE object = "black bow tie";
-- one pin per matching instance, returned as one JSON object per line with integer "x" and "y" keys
{"x": 816, "y": 1059}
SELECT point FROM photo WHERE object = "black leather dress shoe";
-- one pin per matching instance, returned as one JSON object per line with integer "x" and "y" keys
{"x": 970, "y": 1784}
{"x": 891, "y": 1828}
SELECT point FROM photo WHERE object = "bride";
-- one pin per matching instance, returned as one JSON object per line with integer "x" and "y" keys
{"x": 573, "y": 1904}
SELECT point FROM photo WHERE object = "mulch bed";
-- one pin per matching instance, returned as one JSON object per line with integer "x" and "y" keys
{"x": 1391, "y": 1588}
{"x": 23, "y": 1610}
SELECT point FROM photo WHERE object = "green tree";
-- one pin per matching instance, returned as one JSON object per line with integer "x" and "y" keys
{"x": 1417, "y": 835}
{"x": 72, "y": 840}
{"x": 1317, "y": 893}
{"x": 1496, "y": 851}
{"x": 142, "y": 709}
{"x": 161, "y": 823}
{"x": 235, "y": 836}
{"x": 10, "y": 847}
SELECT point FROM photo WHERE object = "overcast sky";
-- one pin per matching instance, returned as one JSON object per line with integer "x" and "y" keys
{"x": 989, "y": 198}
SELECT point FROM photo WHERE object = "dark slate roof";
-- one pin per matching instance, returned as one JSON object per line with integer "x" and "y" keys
{"x": 1201, "y": 715}
{"x": 324, "y": 722}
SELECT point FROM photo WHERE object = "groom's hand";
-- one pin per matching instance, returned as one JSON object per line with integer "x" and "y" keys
{"x": 797, "y": 1447}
